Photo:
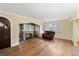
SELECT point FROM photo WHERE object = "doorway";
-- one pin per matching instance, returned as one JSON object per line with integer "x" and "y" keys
{"x": 5, "y": 36}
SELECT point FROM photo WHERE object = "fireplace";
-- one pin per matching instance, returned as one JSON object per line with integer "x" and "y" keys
{"x": 28, "y": 34}
{"x": 29, "y": 31}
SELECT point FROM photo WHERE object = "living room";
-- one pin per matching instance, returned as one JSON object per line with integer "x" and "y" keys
{"x": 59, "y": 18}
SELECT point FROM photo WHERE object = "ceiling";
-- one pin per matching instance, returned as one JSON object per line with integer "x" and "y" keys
{"x": 42, "y": 11}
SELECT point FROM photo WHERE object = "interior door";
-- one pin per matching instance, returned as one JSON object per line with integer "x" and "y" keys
{"x": 4, "y": 33}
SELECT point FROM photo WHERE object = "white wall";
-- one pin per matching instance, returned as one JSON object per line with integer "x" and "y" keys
{"x": 65, "y": 29}
{"x": 15, "y": 20}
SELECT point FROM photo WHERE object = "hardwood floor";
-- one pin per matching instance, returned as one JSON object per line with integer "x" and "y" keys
{"x": 41, "y": 47}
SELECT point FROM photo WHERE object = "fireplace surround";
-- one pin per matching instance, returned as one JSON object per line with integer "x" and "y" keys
{"x": 29, "y": 31}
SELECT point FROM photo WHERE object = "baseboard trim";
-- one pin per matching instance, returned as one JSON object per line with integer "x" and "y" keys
{"x": 63, "y": 39}
{"x": 14, "y": 44}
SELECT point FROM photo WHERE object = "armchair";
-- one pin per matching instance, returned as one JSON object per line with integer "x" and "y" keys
{"x": 48, "y": 35}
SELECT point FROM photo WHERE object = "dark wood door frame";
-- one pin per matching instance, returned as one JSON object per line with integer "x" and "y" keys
{"x": 5, "y": 33}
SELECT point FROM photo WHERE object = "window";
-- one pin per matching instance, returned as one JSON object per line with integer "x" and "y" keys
{"x": 55, "y": 26}
{"x": 1, "y": 24}
{"x": 5, "y": 27}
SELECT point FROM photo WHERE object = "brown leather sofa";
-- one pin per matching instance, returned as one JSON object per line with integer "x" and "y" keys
{"x": 48, "y": 35}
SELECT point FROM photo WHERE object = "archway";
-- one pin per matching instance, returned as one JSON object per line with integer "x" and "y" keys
{"x": 5, "y": 36}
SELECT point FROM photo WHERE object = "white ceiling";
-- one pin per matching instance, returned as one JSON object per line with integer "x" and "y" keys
{"x": 42, "y": 11}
